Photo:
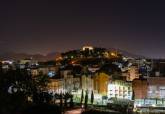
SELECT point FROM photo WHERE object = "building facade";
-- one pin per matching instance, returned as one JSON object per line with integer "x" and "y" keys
{"x": 101, "y": 81}
{"x": 140, "y": 88}
{"x": 120, "y": 89}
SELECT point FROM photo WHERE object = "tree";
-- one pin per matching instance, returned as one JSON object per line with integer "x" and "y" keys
{"x": 92, "y": 97}
{"x": 15, "y": 87}
{"x": 61, "y": 101}
{"x": 41, "y": 81}
{"x": 86, "y": 99}
{"x": 71, "y": 101}
{"x": 66, "y": 97}
{"x": 82, "y": 96}
{"x": 133, "y": 95}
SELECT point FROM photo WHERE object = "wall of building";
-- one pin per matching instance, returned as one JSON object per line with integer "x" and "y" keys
{"x": 56, "y": 85}
{"x": 140, "y": 88}
{"x": 87, "y": 82}
{"x": 101, "y": 81}
{"x": 156, "y": 87}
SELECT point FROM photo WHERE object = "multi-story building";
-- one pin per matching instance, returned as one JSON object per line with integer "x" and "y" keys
{"x": 6, "y": 65}
{"x": 149, "y": 92}
{"x": 87, "y": 82}
{"x": 133, "y": 73}
{"x": 120, "y": 89}
{"x": 101, "y": 81}
{"x": 140, "y": 88}
{"x": 56, "y": 86}
{"x": 158, "y": 67}
{"x": 45, "y": 70}
{"x": 156, "y": 87}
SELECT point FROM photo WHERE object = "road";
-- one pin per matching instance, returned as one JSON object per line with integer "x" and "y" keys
{"x": 74, "y": 111}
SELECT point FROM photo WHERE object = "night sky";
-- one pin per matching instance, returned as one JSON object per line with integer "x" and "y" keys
{"x": 137, "y": 26}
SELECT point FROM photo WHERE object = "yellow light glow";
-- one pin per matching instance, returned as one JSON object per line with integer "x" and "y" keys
{"x": 113, "y": 54}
